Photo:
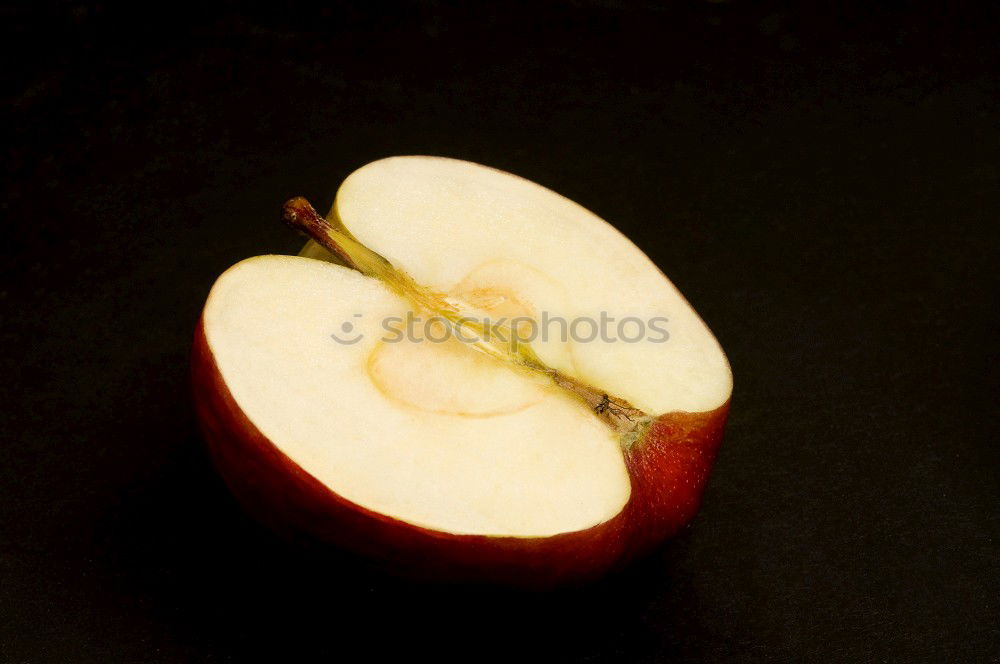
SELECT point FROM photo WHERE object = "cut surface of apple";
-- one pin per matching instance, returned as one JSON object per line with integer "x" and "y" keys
{"x": 426, "y": 432}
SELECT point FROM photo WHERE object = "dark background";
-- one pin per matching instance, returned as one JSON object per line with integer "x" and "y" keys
{"x": 822, "y": 185}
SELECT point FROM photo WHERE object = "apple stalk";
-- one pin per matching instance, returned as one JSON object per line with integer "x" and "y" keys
{"x": 499, "y": 342}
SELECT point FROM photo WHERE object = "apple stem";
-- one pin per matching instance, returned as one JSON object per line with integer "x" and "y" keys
{"x": 626, "y": 420}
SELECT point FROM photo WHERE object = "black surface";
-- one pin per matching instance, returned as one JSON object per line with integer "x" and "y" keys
{"x": 822, "y": 186}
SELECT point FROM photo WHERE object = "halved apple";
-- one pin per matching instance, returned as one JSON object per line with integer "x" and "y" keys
{"x": 551, "y": 452}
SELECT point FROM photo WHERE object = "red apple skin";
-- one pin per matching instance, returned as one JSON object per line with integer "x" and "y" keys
{"x": 669, "y": 470}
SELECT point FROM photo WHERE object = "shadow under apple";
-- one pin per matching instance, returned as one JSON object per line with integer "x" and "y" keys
{"x": 222, "y": 583}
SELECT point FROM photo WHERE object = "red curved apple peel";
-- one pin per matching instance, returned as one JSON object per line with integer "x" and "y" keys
{"x": 668, "y": 472}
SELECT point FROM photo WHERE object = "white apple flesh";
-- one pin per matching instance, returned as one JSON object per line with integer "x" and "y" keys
{"x": 436, "y": 459}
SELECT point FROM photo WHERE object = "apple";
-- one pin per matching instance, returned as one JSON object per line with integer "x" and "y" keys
{"x": 471, "y": 447}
